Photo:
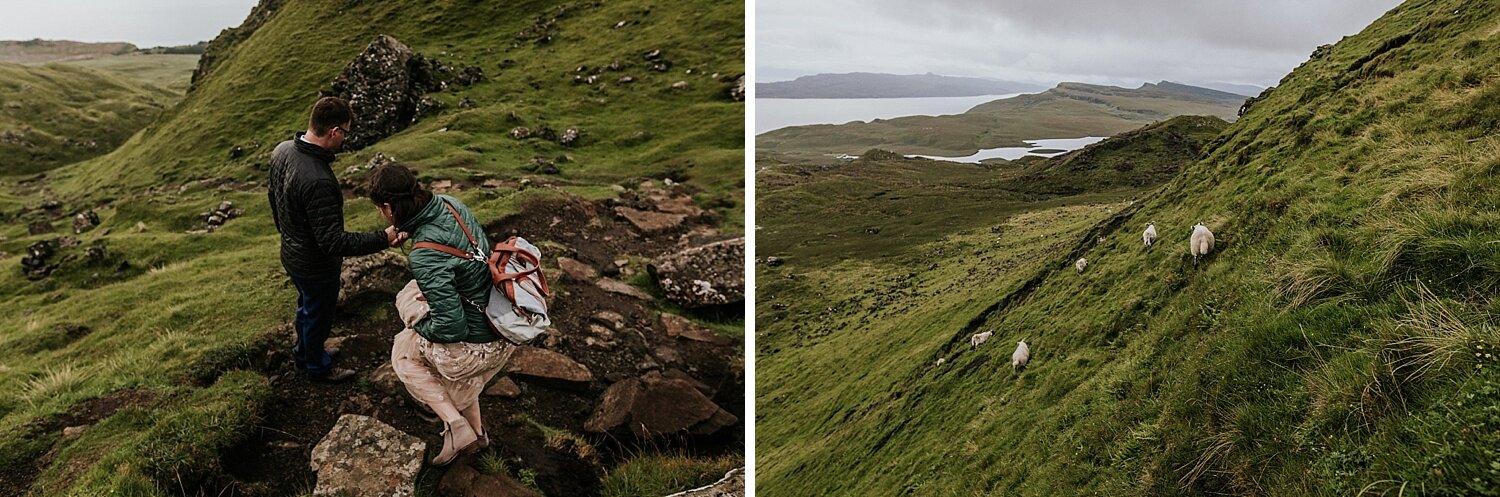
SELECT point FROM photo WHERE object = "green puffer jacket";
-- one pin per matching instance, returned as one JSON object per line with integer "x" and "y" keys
{"x": 443, "y": 277}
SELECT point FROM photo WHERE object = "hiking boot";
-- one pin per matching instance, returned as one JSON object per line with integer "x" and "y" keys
{"x": 484, "y": 440}
{"x": 334, "y": 375}
{"x": 458, "y": 440}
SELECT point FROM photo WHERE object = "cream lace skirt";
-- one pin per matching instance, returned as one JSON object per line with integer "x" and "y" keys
{"x": 442, "y": 372}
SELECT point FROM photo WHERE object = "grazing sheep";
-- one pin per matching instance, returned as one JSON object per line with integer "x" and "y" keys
{"x": 1082, "y": 263}
{"x": 1021, "y": 356}
{"x": 941, "y": 360}
{"x": 1150, "y": 235}
{"x": 1201, "y": 243}
{"x": 979, "y": 339}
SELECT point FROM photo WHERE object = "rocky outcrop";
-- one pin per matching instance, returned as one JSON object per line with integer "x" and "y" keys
{"x": 212, "y": 220}
{"x": 85, "y": 221}
{"x": 712, "y": 274}
{"x": 34, "y": 263}
{"x": 387, "y": 84}
{"x": 655, "y": 405}
{"x": 365, "y": 457}
{"x": 382, "y": 272}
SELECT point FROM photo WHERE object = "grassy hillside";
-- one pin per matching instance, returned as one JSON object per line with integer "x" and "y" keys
{"x": 1340, "y": 342}
{"x": 169, "y": 71}
{"x": 56, "y": 114}
{"x": 40, "y": 51}
{"x": 148, "y": 343}
{"x": 1068, "y": 111}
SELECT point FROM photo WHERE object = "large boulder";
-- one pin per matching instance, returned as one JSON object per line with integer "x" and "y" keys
{"x": 655, "y": 405}
{"x": 708, "y": 275}
{"x": 386, "y": 86}
{"x": 463, "y": 481}
{"x": 367, "y": 458}
{"x": 381, "y": 272}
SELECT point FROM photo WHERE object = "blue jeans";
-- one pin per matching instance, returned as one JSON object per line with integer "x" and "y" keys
{"x": 317, "y": 305}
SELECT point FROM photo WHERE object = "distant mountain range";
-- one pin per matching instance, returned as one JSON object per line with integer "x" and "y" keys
{"x": 1235, "y": 88}
{"x": 1069, "y": 110}
{"x": 877, "y": 85}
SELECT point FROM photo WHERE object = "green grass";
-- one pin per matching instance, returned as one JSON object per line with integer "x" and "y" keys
{"x": 664, "y": 474}
{"x": 1068, "y": 111}
{"x": 167, "y": 71}
{"x": 1334, "y": 345}
{"x": 64, "y": 113}
{"x": 190, "y": 307}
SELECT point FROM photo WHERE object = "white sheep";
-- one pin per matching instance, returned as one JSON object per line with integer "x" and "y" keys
{"x": 1081, "y": 264}
{"x": 941, "y": 360}
{"x": 1021, "y": 356}
{"x": 1150, "y": 235}
{"x": 979, "y": 339}
{"x": 1201, "y": 243}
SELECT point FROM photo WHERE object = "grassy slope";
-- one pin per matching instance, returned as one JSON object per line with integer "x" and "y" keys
{"x": 1067, "y": 111}
{"x": 167, "y": 71}
{"x": 1340, "y": 341}
{"x": 55, "y": 103}
{"x": 194, "y": 304}
{"x": 44, "y": 51}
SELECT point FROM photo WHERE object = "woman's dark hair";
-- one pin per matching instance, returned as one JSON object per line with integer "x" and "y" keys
{"x": 396, "y": 185}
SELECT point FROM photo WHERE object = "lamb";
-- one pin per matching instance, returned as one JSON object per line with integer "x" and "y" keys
{"x": 1021, "y": 356}
{"x": 1201, "y": 243}
{"x": 1150, "y": 235}
{"x": 979, "y": 339}
{"x": 1082, "y": 263}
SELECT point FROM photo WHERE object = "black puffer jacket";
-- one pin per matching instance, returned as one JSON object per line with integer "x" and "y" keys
{"x": 309, "y": 212}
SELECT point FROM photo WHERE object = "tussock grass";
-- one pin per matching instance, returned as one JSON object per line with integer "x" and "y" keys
{"x": 663, "y": 474}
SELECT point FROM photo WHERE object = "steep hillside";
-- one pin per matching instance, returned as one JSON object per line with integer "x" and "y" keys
{"x": 1069, "y": 110}
{"x": 876, "y": 85}
{"x": 150, "y": 352}
{"x": 56, "y": 114}
{"x": 1340, "y": 342}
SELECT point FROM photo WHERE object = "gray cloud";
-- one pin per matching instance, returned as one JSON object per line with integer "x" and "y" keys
{"x": 1054, "y": 40}
{"x": 146, "y": 23}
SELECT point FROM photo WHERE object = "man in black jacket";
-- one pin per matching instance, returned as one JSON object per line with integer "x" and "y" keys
{"x": 309, "y": 211}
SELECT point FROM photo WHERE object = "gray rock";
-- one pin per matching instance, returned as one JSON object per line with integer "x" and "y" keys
{"x": 576, "y": 269}
{"x": 712, "y": 274}
{"x": 651, "y": 222}
{"x": 85, "y": 221}
{"x": 656, "y": 405}
{"x": 622, "y": 288}
{"x": 732, "y": 485}
{"x": 543, "y": 363}
{"x": 383, "y": 271}
{"x": 364, "y": 457}
{"x": 385, "y": 85}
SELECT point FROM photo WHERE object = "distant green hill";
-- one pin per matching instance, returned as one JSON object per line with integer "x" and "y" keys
{"x": 56, "y": 114}
{"x": 877, "y": 85}
{"x": 40, "y": 51}
{"x": 1341, "y": 341}
{"x": 1069, "y": 110}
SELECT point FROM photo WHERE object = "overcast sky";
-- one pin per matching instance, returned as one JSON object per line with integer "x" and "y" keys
{"x": 146, "y": 23}
{"x": 1046, "y": 41}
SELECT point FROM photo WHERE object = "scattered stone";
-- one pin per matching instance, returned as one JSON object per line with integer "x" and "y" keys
{"x": 622, "y": 288}
{"x": 680, "y": 85}
{"x": 662, "y": 66}
{"x": 365, "y": 457}
{"x": 463, "y": 481}
{"x": 612, "y": 319}
{"x": 34, "y": 264}
{"x": 442, "y": 186}
{"x": 85, "y": 221}
{"x": 650, "y": 222}
{"x": 654, "y": 55}
{"x": 542, "y": 363}
{"x": 667, "y": 355}
{"x": 737, "y": 92}
{"x": 678, "y": 326}
{"x": 504, "y": 388}
{"x": 74, "y": 431}
{"x": 625, "y": 80}
{"x": 285, "y": 444}
{"x": 570, "y": 137}
{"x": 384, "y": 378}
{"x": 466, "y": 103}
{"x": 577, "y": 270}
{"x": 520, "y": 132}
{"x": 655, "y": 405}
{"x": 774, "y": 261}
{"x": 541, "y": 165}
{"x": 39, "y": 228}
{"x": 236, "y": 152}
{"x": 383, "y": 272}
{"x": 712, "y": 274}
{"x": 96, "y": 253}
{"x": 214, "y": 219}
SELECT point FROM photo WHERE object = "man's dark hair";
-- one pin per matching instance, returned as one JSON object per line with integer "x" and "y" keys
{"x": 396, "y": 185}
{"x": 329, "y": 112}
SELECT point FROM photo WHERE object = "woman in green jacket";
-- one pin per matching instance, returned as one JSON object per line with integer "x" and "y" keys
{"x": 447, "y": 353}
